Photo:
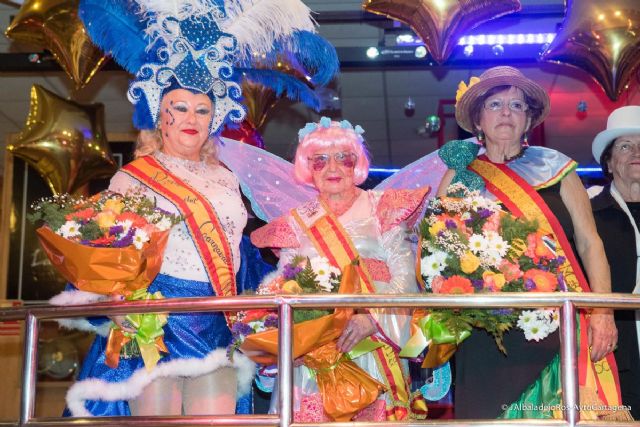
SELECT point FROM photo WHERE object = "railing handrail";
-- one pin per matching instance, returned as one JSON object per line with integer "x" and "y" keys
{"x": 566, "y": 301}
{"x": 200, "y": 304}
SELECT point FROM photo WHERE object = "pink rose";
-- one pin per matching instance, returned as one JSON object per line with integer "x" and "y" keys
{"x": 510, "y": 270}
{"x": 436, "y": 284}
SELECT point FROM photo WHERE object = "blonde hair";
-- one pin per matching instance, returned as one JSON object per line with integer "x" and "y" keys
{"x": 150, "y": 142}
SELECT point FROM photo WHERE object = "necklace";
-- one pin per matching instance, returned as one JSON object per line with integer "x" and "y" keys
{"x": 519, "y": 154}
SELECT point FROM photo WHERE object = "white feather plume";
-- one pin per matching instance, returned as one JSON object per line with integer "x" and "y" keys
{"x": 257, "y": 24}
{"x": 162, "y": 15}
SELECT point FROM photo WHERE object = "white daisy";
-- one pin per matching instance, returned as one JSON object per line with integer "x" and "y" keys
{"x": 477, "y": 243}
{"x": 69, "y": 229}
{"x": 324, "y": 270}
{"x": 536, "y": 330}
{"x": 495, "y": 243}
{"x": 139, "y": 238}
{"x": 164, "y": 224}
{"x": 433, "y": 264}
{"x": 525, "y": 318}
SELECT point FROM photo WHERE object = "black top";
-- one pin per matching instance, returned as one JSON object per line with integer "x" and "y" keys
{"x": 486, "y": 379}
{"x": 619, "y": 241}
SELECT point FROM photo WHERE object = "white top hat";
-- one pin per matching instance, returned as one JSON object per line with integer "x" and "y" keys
{"x": 622, "y": 121}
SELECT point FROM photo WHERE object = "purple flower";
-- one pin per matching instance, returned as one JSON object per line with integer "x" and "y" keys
{"x": 562, "y": 285}
{"x": 485, "y": 213}
{"x": 271, "y": 321}
{"x": 468, "y": 222}
{"x": 478, "y": 284}
{"x": 240, "y": 328}
{"x": 450, "y": 224}
{"x": 125, "y": 241}
{"x": 560, "y": 260}
{"x": 290, "y": 271}
{"x": 529, "y": 284}
{"x": 115, "y": 230}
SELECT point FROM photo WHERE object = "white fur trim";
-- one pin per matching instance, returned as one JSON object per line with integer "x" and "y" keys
{"x": 94, "y": 389}
{"x": 77, "y": 298}
{"x": 82, "y": 324}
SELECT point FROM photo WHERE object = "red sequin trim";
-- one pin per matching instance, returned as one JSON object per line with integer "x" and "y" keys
{"x": 277, "y": 234}
{"x": 396, "y": 206}
{"x": 378, "y": 269}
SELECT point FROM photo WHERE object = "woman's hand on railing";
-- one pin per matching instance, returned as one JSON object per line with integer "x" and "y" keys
{"x": 121, "y": 320}
{"x": 123, "y": 323}
{"x": 602, "y": 332}
{"x": 360, "y": 326}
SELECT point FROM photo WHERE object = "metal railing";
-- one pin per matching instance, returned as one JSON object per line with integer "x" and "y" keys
{"x": 567, "y": 302}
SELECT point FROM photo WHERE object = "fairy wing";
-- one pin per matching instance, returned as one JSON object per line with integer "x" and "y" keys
{"x": 427, "y": 170}
{"x": 266, "y": 179}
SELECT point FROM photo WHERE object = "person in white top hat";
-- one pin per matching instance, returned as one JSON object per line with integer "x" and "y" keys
{"x": 617, "y": 213}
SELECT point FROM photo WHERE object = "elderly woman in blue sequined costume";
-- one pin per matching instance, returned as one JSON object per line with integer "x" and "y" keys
{"x": 177, "y": 109}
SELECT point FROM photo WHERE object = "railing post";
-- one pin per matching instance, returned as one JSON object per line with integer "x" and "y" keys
{"x": 29, "y": 370}
{"x": 568, "y": 363}
{"x": 285, "y": 363}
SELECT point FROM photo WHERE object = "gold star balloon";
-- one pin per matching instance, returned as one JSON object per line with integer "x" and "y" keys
{"x": 55, "y": 26}
{"x": 601, "y": 38}
{"x": 441, "y": 23}
{"x": 64, "y": 141}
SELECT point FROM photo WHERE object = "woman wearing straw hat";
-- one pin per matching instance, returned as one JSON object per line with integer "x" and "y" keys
{"x": 500, "y": 107}
{"x": 617, "y": 213}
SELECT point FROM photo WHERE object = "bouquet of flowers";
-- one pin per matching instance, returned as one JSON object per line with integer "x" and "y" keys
{"x": 301, "y": 275}
{"x": 469, "y": 245}
{"x": 112, "y": 245}
{"x": 345, "y": 388}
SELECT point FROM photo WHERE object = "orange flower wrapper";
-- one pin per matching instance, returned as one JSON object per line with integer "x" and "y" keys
{"x": 105, "y": 271}
{"x": 307, "y": 336}
{"x": 346, "y": 388}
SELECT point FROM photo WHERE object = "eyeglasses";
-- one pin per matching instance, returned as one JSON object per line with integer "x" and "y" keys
{"x": 345, "y": 158}
{"x": 627, "y": 147}
{"x": 515, "y": 105}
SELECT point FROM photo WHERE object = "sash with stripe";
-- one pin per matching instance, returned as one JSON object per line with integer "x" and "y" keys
{"x": 201, "y": 220}
{"x": 521, "y": 199}
{"x": 332, "y": 242}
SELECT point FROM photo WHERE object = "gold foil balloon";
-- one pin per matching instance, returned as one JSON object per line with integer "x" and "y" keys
{"x": 601, "y": 38}
{"x": 64, "y": 141}
{"x": 55, "y": 26}
{"x": 441, "y": 23}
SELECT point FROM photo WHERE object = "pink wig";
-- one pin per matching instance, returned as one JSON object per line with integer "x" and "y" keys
{"x": 322, "y": 137}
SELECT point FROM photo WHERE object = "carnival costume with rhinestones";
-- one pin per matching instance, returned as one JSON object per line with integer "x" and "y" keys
{"x": 189, "y": 45}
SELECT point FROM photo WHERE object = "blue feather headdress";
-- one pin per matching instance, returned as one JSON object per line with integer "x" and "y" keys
{"x": 201, "y": 45}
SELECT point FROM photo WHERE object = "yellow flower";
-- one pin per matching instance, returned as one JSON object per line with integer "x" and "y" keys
{"x": 106, "y": 219}
{"x": 463, "y": 87}
{"x": 495, "y": 281}
{"x": 435, "y": 228}
{"x": 291, "y": 287}
{"x": 114, "y": 206}
{"x": 469, "y": 262}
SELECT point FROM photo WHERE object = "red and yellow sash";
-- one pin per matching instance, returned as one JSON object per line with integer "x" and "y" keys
{"x": 332, "y": 242}
{"x": 521, "y": 199}
{"x": 201, "y": 220}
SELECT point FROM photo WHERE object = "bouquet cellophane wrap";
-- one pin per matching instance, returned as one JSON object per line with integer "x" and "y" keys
{"x": 346, "y": 388}
{"x": 106, "y": 271}
{"x": 262, "y": 347}
{"x": 124, "y": 271}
